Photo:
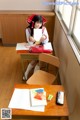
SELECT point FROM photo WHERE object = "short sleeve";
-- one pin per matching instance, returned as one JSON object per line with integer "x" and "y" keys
{"x": 27, "y": 36}
{"x": 46, "y": 34}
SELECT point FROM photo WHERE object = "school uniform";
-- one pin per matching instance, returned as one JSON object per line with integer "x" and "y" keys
{"x": 44, "y": 32}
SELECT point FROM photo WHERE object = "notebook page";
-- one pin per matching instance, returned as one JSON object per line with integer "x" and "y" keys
{"x": 21, "y": 100}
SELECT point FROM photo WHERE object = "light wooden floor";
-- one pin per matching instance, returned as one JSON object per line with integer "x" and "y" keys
{"x": 10, "y": 74}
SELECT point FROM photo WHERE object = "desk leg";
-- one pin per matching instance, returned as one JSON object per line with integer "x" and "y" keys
{"x": 47, "y": 67}
{"x": 22, "y": 62}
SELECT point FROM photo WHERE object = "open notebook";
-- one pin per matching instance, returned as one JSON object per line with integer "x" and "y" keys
{"x": 28, "y": 100}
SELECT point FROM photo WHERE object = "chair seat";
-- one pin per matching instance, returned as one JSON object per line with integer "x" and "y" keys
{"x": 41, "y": 77}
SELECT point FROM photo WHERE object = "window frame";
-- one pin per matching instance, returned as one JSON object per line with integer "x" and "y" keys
{"x": 69, "y": 31}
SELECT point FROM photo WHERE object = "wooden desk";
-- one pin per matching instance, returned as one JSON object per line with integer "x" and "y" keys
{"x": 28, "y": 56}
{"x": 51, "y": 110}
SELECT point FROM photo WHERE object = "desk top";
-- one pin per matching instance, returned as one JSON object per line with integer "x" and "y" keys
{"x": 24, "y": 48}
{"x": 51, "y": 109}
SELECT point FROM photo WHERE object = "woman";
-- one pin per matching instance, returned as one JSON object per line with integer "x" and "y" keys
{"x": 35, "y": 22}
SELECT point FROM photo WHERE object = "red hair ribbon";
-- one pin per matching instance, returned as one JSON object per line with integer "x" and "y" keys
{"x": 29, "y": 20}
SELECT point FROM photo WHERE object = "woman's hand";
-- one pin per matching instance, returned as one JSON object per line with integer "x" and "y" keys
{"x": 32, "y": 39}
{"x": 43, "y": 38}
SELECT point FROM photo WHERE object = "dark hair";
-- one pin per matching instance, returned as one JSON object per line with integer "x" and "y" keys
{"x": 36, "y": 18}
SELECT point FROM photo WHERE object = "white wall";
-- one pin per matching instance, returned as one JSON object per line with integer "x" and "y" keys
{"x": 24, "y": 5}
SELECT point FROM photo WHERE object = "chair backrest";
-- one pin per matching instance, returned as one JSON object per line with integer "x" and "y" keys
{"x": 48, "y": 58}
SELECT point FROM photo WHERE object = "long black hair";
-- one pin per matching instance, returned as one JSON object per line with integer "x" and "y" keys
{"x": 36, "y": 18}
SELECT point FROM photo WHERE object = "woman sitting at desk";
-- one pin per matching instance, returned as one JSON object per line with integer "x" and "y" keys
{"x": 35, "y": 22}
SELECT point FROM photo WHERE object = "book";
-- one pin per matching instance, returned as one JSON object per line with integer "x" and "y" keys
{"x": 21, "y": 99}
{"x": 38, "y": 97}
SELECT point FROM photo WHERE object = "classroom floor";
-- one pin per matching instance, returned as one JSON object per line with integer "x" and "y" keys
{"x": 10, "y": 74}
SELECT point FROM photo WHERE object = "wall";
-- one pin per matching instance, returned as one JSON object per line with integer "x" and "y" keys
{"x": 69, "y": 70}
{"x": 24, "y": 5}
{"x": 0, "y": 30}
{"x": 13, "y": 25}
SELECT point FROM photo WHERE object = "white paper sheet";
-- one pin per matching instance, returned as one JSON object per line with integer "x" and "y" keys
{"x": 48, "y": 46}
{"x": 21, "y": 100}
{"x": 37, "y": 34}
{"x": 22, "y": 46}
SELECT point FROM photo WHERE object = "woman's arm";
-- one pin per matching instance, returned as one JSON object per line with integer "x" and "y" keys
{"x": 30, "y": 39}
{"x": 45, "y": 37}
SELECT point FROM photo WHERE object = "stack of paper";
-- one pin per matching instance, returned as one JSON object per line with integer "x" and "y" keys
{"x": 22, "y": 47}
{"x": 26, "y": 99}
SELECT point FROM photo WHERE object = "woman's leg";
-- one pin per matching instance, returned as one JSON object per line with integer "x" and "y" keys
{"x": 29, "y": 68}
{"x": 37, "y": 67}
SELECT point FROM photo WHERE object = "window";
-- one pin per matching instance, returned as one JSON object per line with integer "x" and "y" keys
{"x": 76, "y": 28}
{"x": 65, "y": 10}
{"x": 69, "y": 14}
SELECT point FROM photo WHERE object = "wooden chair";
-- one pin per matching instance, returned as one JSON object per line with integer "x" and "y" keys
{"x": 43, "y": 77}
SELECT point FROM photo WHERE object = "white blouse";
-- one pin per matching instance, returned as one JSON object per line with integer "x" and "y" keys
{"x": 43, "y": 33}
